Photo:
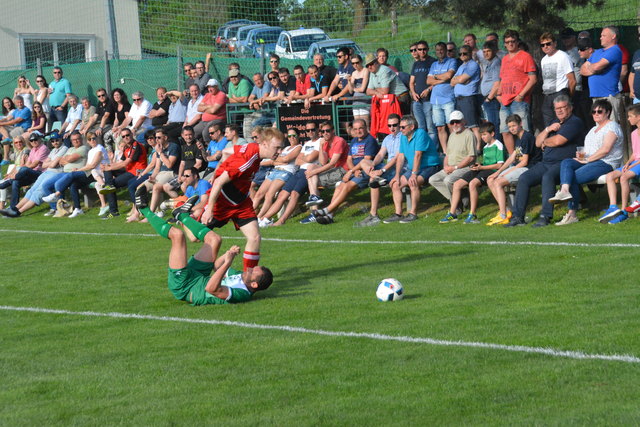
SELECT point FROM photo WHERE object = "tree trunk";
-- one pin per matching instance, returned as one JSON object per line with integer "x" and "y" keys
{"x": 394, "y": 21}
{"x": 360, "y": 13}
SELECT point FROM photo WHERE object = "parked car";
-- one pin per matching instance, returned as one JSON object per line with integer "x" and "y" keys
{"x": 241, "y": 35}
{"x": 231, "y": 32}
{"x": 295, "y": 44}
{"x": 329, "y": 48}
{"x": 220, "y": 33}
{"x": 259, "y": 40}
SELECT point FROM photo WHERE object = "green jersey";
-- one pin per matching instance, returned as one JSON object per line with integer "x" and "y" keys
{"x": 493, "y": 153}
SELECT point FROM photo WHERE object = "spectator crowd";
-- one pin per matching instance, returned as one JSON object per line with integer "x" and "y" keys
{"x": 471, "y": 116}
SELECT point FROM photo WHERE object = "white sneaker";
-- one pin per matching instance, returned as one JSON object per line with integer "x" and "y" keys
{"x": 568, "y": 219}
{"x": 103, "y": 211}
{"x": 51, "y": 198}
{"x": 265, "y": 222}
{"x": 51, "y": 212}
{"x": 76, "y": 212}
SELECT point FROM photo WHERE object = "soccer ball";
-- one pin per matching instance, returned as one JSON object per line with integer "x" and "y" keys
{"x": 390, "y": 290}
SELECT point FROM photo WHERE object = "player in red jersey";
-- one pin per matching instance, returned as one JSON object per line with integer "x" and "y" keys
{"x": 229, "y": 195}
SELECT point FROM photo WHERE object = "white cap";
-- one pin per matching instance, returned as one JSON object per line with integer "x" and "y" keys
{"x": 456, "y": 115}
{"x": 213, "y": 82}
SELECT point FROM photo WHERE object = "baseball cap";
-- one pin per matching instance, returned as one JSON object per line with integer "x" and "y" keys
{"x": 54, "y": 135}
{"x": 35, "y": 136}
{"x": 213, "y": 82}
{"x": 584, "y": 44}
{"x": 568, "y": 32}
{"x": 456, "y": 115}
{"x": 234, "y": 72}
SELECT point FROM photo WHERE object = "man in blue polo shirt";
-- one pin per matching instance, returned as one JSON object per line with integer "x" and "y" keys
{"x": 442, "y": 96}
{"x": 603, "y": 70}
{"x": 363, "y": 146}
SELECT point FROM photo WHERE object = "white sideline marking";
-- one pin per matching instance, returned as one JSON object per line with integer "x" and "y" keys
{"x": 512, "y": 348}
{"x": 361, "y": 242}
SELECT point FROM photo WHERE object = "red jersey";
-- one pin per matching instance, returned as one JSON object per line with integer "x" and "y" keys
{"x": 138, "y": 155}
{"x": 339, "y": 146}
{"x": 303, "y": 87}
{"x": 514, "y": 75}
{"x": 241, "y": 166}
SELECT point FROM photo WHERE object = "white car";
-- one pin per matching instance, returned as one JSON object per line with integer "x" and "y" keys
{"x": 295, "y": 44}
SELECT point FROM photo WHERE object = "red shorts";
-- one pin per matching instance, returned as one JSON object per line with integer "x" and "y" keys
{"x": 240, "y": 214}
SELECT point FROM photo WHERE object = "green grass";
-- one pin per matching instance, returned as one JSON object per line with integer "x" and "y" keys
{"x": 78, "y": 370}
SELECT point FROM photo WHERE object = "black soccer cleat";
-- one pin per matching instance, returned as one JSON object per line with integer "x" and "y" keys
{"x": 185, "y": 207}
{"x": 141, "y": 197}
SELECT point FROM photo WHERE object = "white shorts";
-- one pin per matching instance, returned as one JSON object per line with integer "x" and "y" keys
{"x": 512, "y": 174}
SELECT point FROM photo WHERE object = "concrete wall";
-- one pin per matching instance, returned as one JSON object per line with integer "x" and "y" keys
{"x": 67, "y": 18}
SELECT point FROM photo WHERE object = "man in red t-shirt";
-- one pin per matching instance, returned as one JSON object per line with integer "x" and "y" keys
{"x": 213, "y": 109}
{"x": 517, "y": 78}
{"x": 229, "y": 196}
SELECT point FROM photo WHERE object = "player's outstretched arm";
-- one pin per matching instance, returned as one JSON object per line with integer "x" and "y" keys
{"x": 213, "y": 286}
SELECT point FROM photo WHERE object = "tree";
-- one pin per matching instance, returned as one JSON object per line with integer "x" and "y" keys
{"x": 530, "y": 17}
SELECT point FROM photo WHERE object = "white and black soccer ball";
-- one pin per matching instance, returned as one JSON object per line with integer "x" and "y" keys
{"x": 390, "y": 290}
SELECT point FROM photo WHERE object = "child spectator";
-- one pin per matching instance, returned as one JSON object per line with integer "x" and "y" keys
{"x": 492, "y": 159}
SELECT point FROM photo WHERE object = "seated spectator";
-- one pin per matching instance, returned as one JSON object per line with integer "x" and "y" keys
{"x": 19, "y": 156}
{"x": 525, "y": 155}
{"x": 460, "y": 155}
{"x": 104, "y": 117}
{"x": 284, "y": 166}
{"x": 274, "y": 93}
{"x": 190, "y": 185}
{"x": 297, "y": 184}
{"x": 257, "y": 98}
{"x": 38, "y": 121}
{"x": 319, "y": 86}
{"x": 558, "y": 141}
{"x": 630, "y": 170}
{"x": 138, "y": 119}
{"x": 232, "y": 133}
{"x": 53, "y": 168}
{"x": 119, "y": 108}
{"x": 286, "y": 85}
{"x": 363, "y": 147}
{"x": 194, "y": 116}
{"x": 420, "y": 155}
{"x": 213, "y": 109}
{"x": 159, "y": 113}
{"x": 73, "y": 122}
{"x": 16, "y": 122}
{"x": 339, "y": 86}
{"x": 602, "y": 154}
{"x": 358, "y": 83}
{"x": 123, "y": 170}
{"x": 260, "y": 91}
{"x": 239, "y": 89}
{"x": 331, "y": 167}
{"x": 258, "y": 134}
{"x": 97, "y": 158}
{"x": 162, "y": 168}
{"x": 75, "y": 159}
{"x": 492, "y": 159}
{"x": 216, "y": 145}
{"x": 382, "y": 169}
{"x": 190, "y": 153}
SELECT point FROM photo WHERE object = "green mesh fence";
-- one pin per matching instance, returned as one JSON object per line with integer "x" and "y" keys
{"x": 189, "y": 28}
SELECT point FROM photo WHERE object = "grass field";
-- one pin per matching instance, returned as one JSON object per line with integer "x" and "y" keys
{"x": 564, "y": 289}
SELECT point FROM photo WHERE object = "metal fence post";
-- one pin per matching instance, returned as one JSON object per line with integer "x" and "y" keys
{"x": 39, "y": 66}
{"x": 107, "y": 72}
{"x": 180, "y": 81}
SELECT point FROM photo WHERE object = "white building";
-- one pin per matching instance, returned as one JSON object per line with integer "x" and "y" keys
{"x": 67, "y": 31}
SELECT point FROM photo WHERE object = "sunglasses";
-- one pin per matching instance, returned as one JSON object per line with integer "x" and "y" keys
{"x": 583, "y": 49}
{"x": 355, "y": 62}
{"x": 39, "y": 81}
{"x": 597, "y": 111}
{"x": 212, "y": 133}
{"x": 102, "y": 95}
{"x": 127, "y": 135}
{"x": 91, "y": 139}
{"x": 546, "y": 44}
{"x": 292, "y": 135}
{"x": 392, "y": 125}
{"x": 403, "y": 127}
{"x": 463, "y": 54}
{"x": 186, "y": 176}
{"x": 273, "y": 78}
{"x": 159, "y": 137}
{"x": 451, "y": 50}
{"x": 310, "y": 130}
{"x": 137, "y": 99}
{"x": 339, "y": 56}
{"x": 57, "y": 72}
{"x": 422, "y": 48}
{"x": 412, "y": 50}
{"x": 455, "y": 122}
{"x": 510, "y": 42}
{"x": 274, "y": 61}
{"x": 254, "y": 137}
{"x": 326, "y": 130}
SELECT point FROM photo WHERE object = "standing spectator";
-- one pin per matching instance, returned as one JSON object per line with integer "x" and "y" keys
{"x": 517, "y": 79}
{"x": 585, "y": 50}
{"x": 176, "y": 114}
{"x": 493, "y": 38}
{"x": 73, "y": 122}
{"x": 472, "y": 41}
{"x": 420, "y": 90}
{"x": 261, "y": 89}
{"x": 383, "y": 81}
{"x": 159, "y": 113}
{"x": 202, "y": 77}
{"x": 25, "y": 91}
{"x": 225, "y": 84}
{"x": 319, "y": 86}
{"x": 194, "y": 116}
{"x": 41, "y": 94}
{"x": 382, "y": 55}
{"x": 460, "y": 155}
{"x": 558, "y": 142}
{"x": 603, "y": 69}
{"x": 213, "y": 108}
{"x": 118, "y": 107}
{"x": 359, "y": 81}
{"x": 303, "y": 85}
{"x": 59, "y": 90}
{"x": 187, "y": 74}
{"x": 466, "y": 88}
{"x": 138, "y": 119}
{"x": 452, "y": 52}
{"x": 104, "y": 117}
{"x": 557, "y": 75}
{"x": 274, "y": 62}
{"x": 339, "y": 87}
{"x": 569, "y": 40}
{"x": 239, "y": 89}
{"x": 490, "y": 83}
{"x": 327, "y": 71}
{"x": 442, "y": 96}
{"x": 634, "y": 81}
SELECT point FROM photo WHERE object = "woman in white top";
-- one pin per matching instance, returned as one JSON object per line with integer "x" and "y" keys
{"x": 602, "y": 154}
{"x": 41, "y": 93}
{"x": 96, "y": 158}
{"x": 284, "y": 168}
{"x": 25, "y": 91}
{"x": 358, "y": 86}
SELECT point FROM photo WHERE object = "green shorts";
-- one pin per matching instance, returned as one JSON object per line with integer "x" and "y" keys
{"x": 182, "y": 280}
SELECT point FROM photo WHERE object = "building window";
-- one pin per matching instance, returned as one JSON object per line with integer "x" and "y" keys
{"x": 55, "y": 51}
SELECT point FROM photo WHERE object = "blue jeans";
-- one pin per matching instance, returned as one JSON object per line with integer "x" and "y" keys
{"x": 520, "y": 108}
{"x": 118, "y": 179}
{"x": 422, "y": 111}
{"x": 492, "y": 112}
{"x": 547, "y": 174}
{"x": 134, "y": 183}
{"x": 38, "y": 189}
{"x": 574, "y": 173}
{"x": 25, "y": 176}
